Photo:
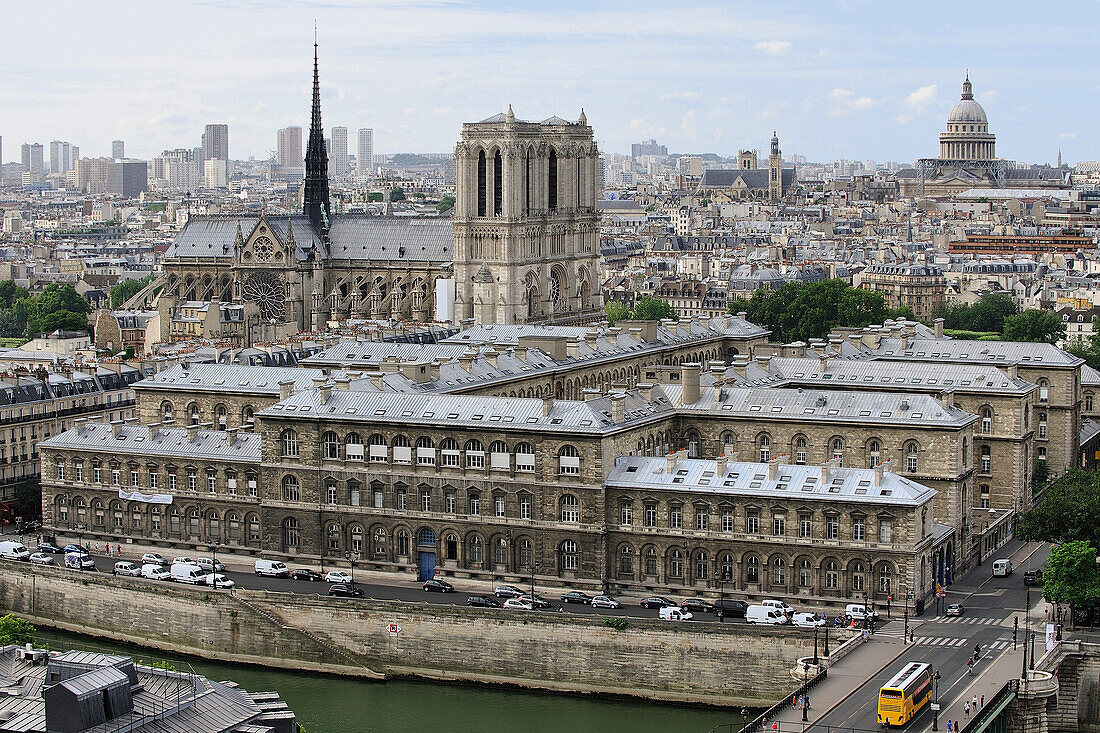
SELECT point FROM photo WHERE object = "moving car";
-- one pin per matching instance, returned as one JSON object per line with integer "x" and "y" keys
{"x": 42, "y": 558}
{"x": 272, "y": 568}
{"x": 219, "y": 581}
{"x": 698, "y": 605}
{"x": 671, "y": 613}
{"x": 955, "y": 609}
{"x": 155, "y": 572}
{"x": 438, "y": 586}
{"x": 343, "y": 590}
{"x": 518, "y": 604}
{"x": 305, "y": 574}
{"x": 859, "y": 612}
{"x": 729, "y": 608}
{"x": 153, "y": 558}
{"x": 183, "y": 559}
{"x": 50, "y": 548}
{"x": 536, "y": 600}
{"x": 1002, "y": 568}
{"x": 605, "y": 602}
{"x": 575, "y": 596}
{"x": 807, "y": 620}
{"x": 14, "y": 551}
{"x": 779, "y": 606}
{"x": 124, "y": 567}
{"x": 483, "y": 602}
{"x": 337, "y": 576}
{"x": 1033, "y": 577}
{"x": 656, "y": 602}
{"x": 508, "y": 591}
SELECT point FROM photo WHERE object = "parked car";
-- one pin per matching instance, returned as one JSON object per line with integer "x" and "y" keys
{"x": 508, "y": 591}
{"x": 43, "y": 558}
{"x": 188, "y": 572}
{"x": 343, "y": 590}
{"x": 671, "y": 613}
{"x": 10, "y": 550}
{"x": 729, "y": 608}
{"x": 1033, "y": 577}
{"x": 124, "y": 567}
{"x": 765, "y": 615}
{"x": 859, "y": 612}
{"x": 779, "y": 606}
{"x": 305, "y": 574}
{"x": 272, "y": 568}
{"x": 575, "y": 596}
{"x": 536, "y": 600}
{"x": 955, "y": 609}
{"x": 337, "y": 576}
{"x": 605, "y": 602}
{"x": 438, "y": 586}
{"x": 518, "y": 604}
{"x": 210, "y": 565}
{"x": 807, "y": 620}
{"x": 183, "y": 559}
{"x": 483, "y": 602}
{"x": 155, "y": 572}
{"x": 77, "y": 549}
{"x": 656, "y": 602}
{"x": 698, "y": 605}
{"x": 50, "y": 548}
{"x": 219, "y": 581}
{"x": 153, "y": 558}
{"x": 78, "y": 561}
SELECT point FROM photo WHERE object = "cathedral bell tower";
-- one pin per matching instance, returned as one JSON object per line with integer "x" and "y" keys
{"x": 315, "y": 202}
{"x": 775, "y": 170}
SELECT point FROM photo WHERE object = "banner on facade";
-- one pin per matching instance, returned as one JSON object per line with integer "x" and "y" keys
{"x": 145, "y": 498}
{"x": 1051, "y": 636}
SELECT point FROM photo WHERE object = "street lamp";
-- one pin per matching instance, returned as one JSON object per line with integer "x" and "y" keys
{"x": 826, "y": 640}
{"x": 908, "y": 597}
{"x": 936, "y": 706}
{"x": 817, "y": 660}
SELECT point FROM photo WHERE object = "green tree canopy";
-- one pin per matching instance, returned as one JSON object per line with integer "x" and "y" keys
{"x": 651, "y": 308}
{"x": 987, "y": 315}
{"x": 1071, "y": 575}
{"x": 397, "y": 194}
{"x": 445, "y": 204}
{"x": 616, "y": 311}
{"x": 128, "y": 289}
{"x": 15, "y": 630}
{"x": 375, "y": 196}
{"x": 1069, "y": 510}
{"x": 1087, "y": 349}
{"x": 1034, "y": 325}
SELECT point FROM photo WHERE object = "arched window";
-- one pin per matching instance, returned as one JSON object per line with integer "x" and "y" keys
{"x": 525, "y": 553}
{"x": 568, "y": 552}
{"x": 805, "y": 573}
{"x": 167, "y": 412}
{"x": 333, "y": 539}
{"x": 292, "y": 533}
{"x": 500, "y": 551}
{"x": 832, "y": 575}
{"x": 874, "y": 453}
{"x": 986, "y": 460}
{"x": 692, "y": 439}
{"x": 800, "y": 450}
{"x": 1042, "y": 425}
{"x": 291, "y": 491}
{"x": 837, "y": 447}
{"x": 987, "y": 420}
{"x": 498, "y": 184}
{"x": 702, "y": 566}
{"x": 353, "y": 447}
{"x": 728, "y": 440}
{"x": 379, "y": 453}
{"x": 858, "y": 580}
{"x": 911, "y": 463}
{"x": 626, "y": 560}
{"x": 475, "y": 454}
{"x": 290, "y": 444}
{"x": 482, "y": 203}
{"x": 330, "y": 445}
{"x": 1088, "y": 402}
{"x": 883, "y": 578}
{"x": 675, "y": 564}
{"x": 525, "y": 457}
{"x": 193, "y": 413}
{"x": 752, "y": 569}
{"x": 570, "y": 508}
{"x": 499, "y": 459}
{"x": 725, "y": 567}
{"x": 765, "y": 443}
{"x": 221, "y": 417}
{"x": 330, "y": 491}
{"x": 569, "y": 461}
{"x": 378, "y": 542}
{"x": 651, "y": 561}
{"x": 404, "y": 542}
{"x": 1044, "y": 390}
{"x": 779, "y": 571}
{"x": 425, "y": 451}
{"x": 357, "y": 540}
{"x": 552, "y": 182}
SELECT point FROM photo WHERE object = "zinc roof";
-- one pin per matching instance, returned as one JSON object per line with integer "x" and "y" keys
{"x": 167, "y": 442}
{"x": 884, "y": 373}
{"x": 980, "y": 352}
{"x": 229, "y": 378}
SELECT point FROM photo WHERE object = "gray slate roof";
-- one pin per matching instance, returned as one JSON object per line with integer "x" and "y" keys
{"x": 167, "y": 442}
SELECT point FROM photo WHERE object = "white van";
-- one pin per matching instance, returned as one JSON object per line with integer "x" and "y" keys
{"x": 14, "y": 551}
{"x": 859, "y": 612}
{"x": 778, "y": 606}
{"x": 274, "y": 568}
{"x": 1001, "y": 568}
{"x": 187, "y": 572}
{"x": 763, "y": 615}
{"x": 155, "y": 572}
{"x": 672, "y": 613}
{"x": 79, "y": 561}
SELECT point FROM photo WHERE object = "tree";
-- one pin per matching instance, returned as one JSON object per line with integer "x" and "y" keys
{"x": 128, "y": 289}
{"x": 397, "y": 194}
{"x": 651, "y": 308}
{"x": 445, "y": 204}
{"x": 1034, "y": 325}
{"x": 1069, "y": 509}
{"x": 15, "y": 630}
{"x": 616, "y": 311}
{"x": 1071, "y": 575}
{"x": 1088, "y": 349}
{"x": 62, "y": 319}
{"x": 860, "y": 308}
{"x": 375, "y": 196}
{"x": 989, "y": 313}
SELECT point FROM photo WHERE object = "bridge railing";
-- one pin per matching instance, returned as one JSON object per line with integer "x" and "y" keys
{"x": 757, "y": 723}
{"x": 987, "y": 714}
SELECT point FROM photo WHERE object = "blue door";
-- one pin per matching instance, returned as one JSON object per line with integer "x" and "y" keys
{"x": 427, "y": 565}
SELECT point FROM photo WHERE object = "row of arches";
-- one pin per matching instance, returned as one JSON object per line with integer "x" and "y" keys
{"x": 220, "y": 415}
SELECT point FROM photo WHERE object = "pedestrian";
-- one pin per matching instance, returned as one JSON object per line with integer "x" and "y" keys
{"x": 975, "y": 705}
{"x": 966, "y": 709}
{"x": 958, "y": 728}
{"x": 949, "y": 726}
{"x": 794, "y": 701}
{"x": 807, "y": 702}
{"x": 983, "y": 701}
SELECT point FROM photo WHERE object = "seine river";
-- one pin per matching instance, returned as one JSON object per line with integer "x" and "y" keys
{"x": 337, "y": 705}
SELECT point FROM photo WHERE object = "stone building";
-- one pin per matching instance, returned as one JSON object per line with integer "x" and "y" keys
{"x": 921, "y": 287}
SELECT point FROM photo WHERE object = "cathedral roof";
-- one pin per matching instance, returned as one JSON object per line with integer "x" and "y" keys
{"x": 753, "y": 177}
{"x": 967, "y": 109}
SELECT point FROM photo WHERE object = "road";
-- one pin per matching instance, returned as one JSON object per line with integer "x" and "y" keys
{"x": 947, "y": 643}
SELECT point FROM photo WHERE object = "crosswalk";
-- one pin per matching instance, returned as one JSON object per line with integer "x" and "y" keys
{"x": 969, "y": 620}
{"x": 953, "y": 642}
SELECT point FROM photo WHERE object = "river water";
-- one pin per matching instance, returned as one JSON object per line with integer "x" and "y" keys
{"x": 338, "y": 705}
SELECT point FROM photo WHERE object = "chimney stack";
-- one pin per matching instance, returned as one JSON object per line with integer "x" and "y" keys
{"x": 324, "y": 392}
{"x": 231, "y": 435}
{"x": 689, "y": 379}
{"x": 645, "y": 390}
{"x": 378, "y": 380}
{"x": 547, "y": 405}
{"x": 618, "y": 408}
{"x": 938, "y": 325}
{"x": 589, "y": 393}
{"x": 286, "y": 389}
{"x": 491, "y": 357}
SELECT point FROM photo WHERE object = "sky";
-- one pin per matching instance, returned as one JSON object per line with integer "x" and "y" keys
{"x": 856, "y": 79}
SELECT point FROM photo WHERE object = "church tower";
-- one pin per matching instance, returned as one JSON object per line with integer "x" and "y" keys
{"x": 526, "y": 231}
{"x": 315, "y": 202}
{"x": 775, "y": 170}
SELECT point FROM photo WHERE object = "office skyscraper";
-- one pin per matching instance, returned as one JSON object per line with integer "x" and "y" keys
{"x": 289, "y": 149}
{"x": 127, "y": 177}
{"x": 364, "y": 157}
{"x": 118, "y": 149}
{"x": 339, "y": 151}
{"x": 215, "y": 142}
{"x": 61, "y": 157}
{"x": 31, "y": 157}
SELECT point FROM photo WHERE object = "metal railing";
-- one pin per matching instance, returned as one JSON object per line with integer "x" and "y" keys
{"x": 993, "y": 708}
{"x": 759, "y": 721}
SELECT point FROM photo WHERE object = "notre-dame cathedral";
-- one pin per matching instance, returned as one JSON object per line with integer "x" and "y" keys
{"x": 522, "y": 247}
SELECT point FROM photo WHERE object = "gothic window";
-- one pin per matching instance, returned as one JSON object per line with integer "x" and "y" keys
{"x": 481, "y": 182}
{"x": 552, "y": 182}
{"x": 291, "y": 491}
{"x": 498, "y": 184}
{"x": 527, "y": 182}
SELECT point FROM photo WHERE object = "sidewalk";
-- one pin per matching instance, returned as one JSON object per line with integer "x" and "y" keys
{"x": 987, "y": 680}
{"x": 845, "y": 677}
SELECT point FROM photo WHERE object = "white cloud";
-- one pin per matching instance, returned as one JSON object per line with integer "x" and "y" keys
{"x": 916, "y": 103}
{"x": 847, "y": 102}
{"x": 773, "y": 48}
{"x": 687, "y": 123}
{"x": 991, "y": 96}
{"x": 443, "y": 111}
{"x": 679, "y": 97}
{"x": 1068, "y": 135}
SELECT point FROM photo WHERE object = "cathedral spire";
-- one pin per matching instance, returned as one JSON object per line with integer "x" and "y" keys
{"x": 316, "y": 200}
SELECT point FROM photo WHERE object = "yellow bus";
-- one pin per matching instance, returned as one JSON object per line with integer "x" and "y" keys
{"x": 905, "y": 694}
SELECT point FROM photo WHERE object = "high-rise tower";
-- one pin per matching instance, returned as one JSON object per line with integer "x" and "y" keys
{"x": 775, "y": 170}
{"x": 315, "y": 202}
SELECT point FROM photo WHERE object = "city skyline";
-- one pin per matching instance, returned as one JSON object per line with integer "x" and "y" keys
{"x": 848, "y": 80}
